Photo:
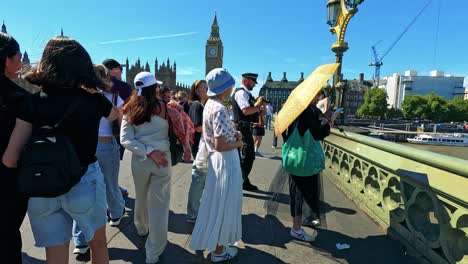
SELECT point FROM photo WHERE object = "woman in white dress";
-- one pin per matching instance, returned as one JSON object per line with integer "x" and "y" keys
{"x": 219, "y": 222}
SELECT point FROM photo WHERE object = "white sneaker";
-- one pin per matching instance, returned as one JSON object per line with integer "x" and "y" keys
{"x": 302, "y": 235}
{"x": 81, "y": 250}
{"x": 228, "y": 253}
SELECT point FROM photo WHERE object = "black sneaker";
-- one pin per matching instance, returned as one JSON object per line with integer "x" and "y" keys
{"x": 311, "y": 223}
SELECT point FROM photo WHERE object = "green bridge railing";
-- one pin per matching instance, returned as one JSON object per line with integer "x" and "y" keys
{"x": 420, "y": 196}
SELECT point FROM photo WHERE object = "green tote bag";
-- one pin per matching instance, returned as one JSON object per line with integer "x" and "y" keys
{"x": 303, "y": 156}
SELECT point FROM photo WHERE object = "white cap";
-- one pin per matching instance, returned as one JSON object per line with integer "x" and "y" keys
{"x": 146, "y": 79}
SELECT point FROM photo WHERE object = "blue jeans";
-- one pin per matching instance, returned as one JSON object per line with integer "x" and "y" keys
{"x": 196, "y": 191}
{"x": 108, "y": 155}
{"x": 85, "y": 204}
{"x": 268, "y": 122}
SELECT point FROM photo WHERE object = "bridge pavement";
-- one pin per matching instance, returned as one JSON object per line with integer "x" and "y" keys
{"x": 265, "y": 237}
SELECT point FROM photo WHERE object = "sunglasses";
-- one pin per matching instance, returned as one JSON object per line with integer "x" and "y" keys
{"x": 205, "y": 88}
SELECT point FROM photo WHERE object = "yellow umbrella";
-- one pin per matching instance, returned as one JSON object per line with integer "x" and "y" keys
{"x": 302, "y": 95}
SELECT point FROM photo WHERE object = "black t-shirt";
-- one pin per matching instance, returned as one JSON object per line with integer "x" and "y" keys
{"x": 196, "y": 115}
{"x": 309, "y": 120}
{"x": 11, "y": 97}
{"x": 81, "y": 126}
{"x": 186, "y": 106}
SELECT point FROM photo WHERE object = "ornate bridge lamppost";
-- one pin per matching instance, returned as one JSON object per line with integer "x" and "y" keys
{"x": 339, "y": 13}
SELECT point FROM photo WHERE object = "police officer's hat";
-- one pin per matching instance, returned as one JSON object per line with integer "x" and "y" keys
{"x": 251, "y": 76}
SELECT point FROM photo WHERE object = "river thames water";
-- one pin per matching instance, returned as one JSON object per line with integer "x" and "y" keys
{"x": 459, "y": 152}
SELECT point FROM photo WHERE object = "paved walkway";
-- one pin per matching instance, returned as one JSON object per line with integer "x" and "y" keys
{"x": 265, "y": 237}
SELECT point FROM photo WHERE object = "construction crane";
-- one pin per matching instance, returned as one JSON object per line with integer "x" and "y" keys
{"x": 378, "y": 61}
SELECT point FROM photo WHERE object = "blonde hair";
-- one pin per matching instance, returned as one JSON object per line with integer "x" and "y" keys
{"x": 259, "y": 101}
{"x": 180, "y": 94}
{"x": 104, "y": 75}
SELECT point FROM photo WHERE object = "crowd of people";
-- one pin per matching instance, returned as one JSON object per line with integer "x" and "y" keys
{"x": 101, "y": 116}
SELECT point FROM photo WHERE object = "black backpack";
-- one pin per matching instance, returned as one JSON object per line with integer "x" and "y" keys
{"x": 49, "y": 165}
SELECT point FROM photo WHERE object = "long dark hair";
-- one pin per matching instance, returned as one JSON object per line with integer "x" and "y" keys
{"x": 193, "y": 96}
{"x": 65, "y": 64}
{"x": 140, "y": 109}
{"x": 8, "y": 48}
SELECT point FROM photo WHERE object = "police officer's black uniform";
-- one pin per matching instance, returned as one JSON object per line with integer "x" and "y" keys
{"x": 244, "y": 125}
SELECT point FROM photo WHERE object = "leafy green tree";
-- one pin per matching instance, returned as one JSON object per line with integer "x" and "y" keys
{"x": 393, "y": 113}
{"x": 375, "y": 104}
{"x": 458, "y": 110}
{"x": 437, "y": 108}
{"x": 414, "y": 106}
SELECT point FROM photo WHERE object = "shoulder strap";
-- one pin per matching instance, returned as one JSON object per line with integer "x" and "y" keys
{"x": 70, "y": 110}
{"x": 114, "y": 99}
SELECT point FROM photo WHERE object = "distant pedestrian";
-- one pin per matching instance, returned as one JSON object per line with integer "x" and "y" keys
{"x": 219, "y": 223}
{"x": 259, "y": 127}
{"x": 269, "y": 115}
{"x": 145, "y": 133}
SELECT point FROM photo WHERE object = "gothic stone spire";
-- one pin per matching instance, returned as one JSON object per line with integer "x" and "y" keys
{"x": 4, "y": 30}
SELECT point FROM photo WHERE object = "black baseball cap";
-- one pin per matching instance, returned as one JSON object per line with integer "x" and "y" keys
{"x": 111, "y": 64}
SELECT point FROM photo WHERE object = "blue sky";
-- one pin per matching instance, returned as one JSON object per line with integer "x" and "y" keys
{"x": 258, "y": 36}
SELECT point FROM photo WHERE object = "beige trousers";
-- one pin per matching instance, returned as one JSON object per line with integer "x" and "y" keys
{"x": 153, "y": 188}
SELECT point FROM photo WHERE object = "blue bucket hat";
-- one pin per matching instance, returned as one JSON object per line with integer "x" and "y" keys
{"x": 218, "y": 80}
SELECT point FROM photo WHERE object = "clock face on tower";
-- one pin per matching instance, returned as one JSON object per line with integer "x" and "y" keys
{"x": 212, "y": 52}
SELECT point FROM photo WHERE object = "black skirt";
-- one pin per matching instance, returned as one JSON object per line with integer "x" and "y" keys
{"x": 258, "y": 131}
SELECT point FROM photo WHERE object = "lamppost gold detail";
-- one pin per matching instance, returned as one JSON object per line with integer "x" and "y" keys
{"x": 339, "y": 13}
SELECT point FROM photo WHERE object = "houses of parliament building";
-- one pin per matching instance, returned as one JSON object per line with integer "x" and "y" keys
{"x": 165, "y": 72}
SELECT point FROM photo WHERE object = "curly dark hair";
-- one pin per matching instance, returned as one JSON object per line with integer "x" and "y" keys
{"x": 66, "y": 64}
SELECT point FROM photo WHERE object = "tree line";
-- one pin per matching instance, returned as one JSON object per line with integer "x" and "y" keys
{"x": 431, "y": 106}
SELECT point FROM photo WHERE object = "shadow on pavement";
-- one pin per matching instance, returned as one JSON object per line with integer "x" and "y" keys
{"x": 31, "y": 260}
{"x": 178, "y": 224}
{"x": 264, "y": 231}
{"x": 363, "y": 250}
{"x": 252, "y": 255}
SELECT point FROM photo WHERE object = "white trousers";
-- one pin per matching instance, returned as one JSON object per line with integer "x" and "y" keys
{"x": 153, "y": 189}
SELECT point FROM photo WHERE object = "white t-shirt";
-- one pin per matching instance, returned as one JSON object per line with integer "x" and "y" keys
{"x": 105, "y": 126}
{"x": 201, "y": 159}
{"x": 321, "y": 104}
{"x": 242, "y": 98}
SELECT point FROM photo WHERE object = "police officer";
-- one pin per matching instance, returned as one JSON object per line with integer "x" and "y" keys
{"x": 245, "y": 114}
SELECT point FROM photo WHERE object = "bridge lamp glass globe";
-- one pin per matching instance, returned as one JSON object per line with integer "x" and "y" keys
{"x": 354, "y": 3}
{"x": 333, "y": 11}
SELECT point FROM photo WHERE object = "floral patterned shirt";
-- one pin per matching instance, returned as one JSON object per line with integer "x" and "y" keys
{"x": 216, "y": 123}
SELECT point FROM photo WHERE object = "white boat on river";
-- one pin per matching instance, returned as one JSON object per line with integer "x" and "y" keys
{"x": 457, "y": 139}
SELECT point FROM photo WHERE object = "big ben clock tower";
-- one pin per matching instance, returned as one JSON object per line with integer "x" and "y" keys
{"x": 214, "y": 48}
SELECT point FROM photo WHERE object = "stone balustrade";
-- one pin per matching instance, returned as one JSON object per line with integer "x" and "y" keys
{"x": 420, "y": 196}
